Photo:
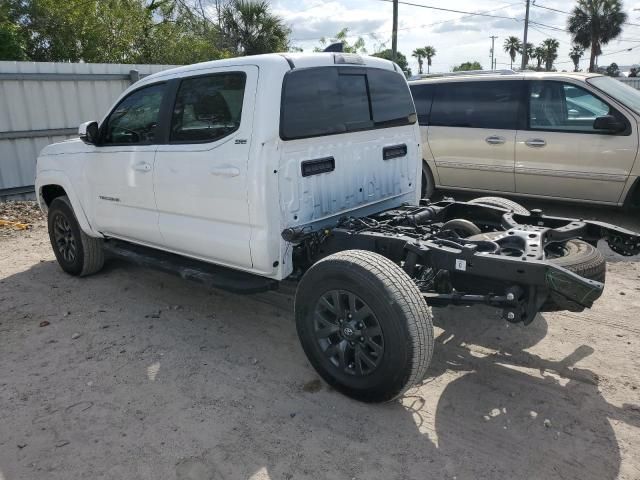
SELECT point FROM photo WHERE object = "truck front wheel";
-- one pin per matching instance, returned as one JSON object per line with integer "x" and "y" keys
{"x": 76, "y": 252}
{"x": 364, "y": 325}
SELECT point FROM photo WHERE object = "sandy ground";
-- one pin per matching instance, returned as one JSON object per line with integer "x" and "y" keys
{"x": 140, "y": 375}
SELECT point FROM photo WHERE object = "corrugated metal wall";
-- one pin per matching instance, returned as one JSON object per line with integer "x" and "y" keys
{"x": 42, "y": 103}
{"x": 632, "y": 82}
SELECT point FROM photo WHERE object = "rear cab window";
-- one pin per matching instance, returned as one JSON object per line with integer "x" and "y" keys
{"x": 207, "y": 108}
{"x": 331, "y": 100}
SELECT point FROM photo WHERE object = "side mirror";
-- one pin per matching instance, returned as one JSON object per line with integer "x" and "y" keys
{"x": 609, "y": 123}
{"x": 88, "y": 132}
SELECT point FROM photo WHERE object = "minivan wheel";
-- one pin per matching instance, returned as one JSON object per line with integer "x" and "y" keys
{"x": 77, "y": 253}
{"x": 364, "y": 325}
{"x": 428, "y": 184}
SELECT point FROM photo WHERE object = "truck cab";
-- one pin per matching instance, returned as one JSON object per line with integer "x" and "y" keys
{"x": 213, "y": 161}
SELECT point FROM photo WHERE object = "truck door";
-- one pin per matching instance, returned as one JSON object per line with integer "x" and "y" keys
{"x": 119, "y": 171}
{"x": 201, "y": 173}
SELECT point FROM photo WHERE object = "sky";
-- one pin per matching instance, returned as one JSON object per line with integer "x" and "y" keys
{"x": 457, "y": 37}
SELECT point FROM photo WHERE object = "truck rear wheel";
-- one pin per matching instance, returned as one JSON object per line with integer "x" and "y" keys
{"x": 76, "y": 252}
{"x": 364, "y": 325}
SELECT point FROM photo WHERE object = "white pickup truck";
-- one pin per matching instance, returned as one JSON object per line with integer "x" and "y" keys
{"x": 243, "y": 172}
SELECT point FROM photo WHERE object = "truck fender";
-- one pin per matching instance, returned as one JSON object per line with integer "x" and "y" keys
{"x": 57, "y": 177}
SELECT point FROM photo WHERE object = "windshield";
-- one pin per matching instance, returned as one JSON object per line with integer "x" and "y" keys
{"x": 628, "y": 96}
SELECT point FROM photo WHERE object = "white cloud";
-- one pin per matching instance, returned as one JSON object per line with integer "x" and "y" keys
{"x": 456, "y": 37}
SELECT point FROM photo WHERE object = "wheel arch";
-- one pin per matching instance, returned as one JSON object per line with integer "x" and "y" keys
{"x": 50, "y": 185}
{"x": 632, "y": 199}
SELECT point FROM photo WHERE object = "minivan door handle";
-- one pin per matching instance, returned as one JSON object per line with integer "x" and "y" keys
{"x": 536, "y": 142}
{"x": 495, "y": 140}
{"x": 225, "y": 171}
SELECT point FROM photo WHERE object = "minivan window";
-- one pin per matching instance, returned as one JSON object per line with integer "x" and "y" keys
{"x": 135, "y": 118}
{"x": 482, "y": 104}
{"x": 563, "y": 107}
{"x": 208, "y": 108}
{"x": 422, "y": 97}
{"x": 331, "y": 100}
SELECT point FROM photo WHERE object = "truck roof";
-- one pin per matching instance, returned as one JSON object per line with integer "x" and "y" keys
{"x": 295, "y": 60}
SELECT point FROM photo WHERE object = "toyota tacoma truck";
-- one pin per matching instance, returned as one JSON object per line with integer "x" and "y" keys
{"x": 246, "y": 172}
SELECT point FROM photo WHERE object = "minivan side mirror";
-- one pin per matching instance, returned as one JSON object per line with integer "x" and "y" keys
{"x": 609, "y": 123}
{"x": 88, "y": 132}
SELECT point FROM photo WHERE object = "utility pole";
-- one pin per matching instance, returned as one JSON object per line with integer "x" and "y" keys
{"x": 526, "y": 30}
{"x": 394, "y": 33}
{"x": 493, "y": 40}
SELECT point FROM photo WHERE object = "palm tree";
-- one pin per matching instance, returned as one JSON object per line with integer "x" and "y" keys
{"x": 575, "y": 54}
{"x": 419, "y": 54}
{"x": 594, "y": 23}
{"x": 251, "y": 28}
{"x": 538, "y": 53}
{"x": 429, "y": 53}
{"x": 550, "y": 47}
{"x": 528, "y": 52}
{"x": 512, "y": 46}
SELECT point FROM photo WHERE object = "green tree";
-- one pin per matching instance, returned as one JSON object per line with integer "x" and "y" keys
{"x": 12, "y": 41}
{"x": 539, "y": 53}
{"x": 512, "y": 46}
{"x": 527, "y": 51}
{"x": 429, "y": 53}
{"x": 401, "y": 60}
{"x": 419, "y": 55}
{"x": 341, "y": 37}
{"x": 467, "y": 66}
{"x": 251, "y": 28}
{"x": 594, "y": 23}
{"x": 550, "y": 52}
{"x": 575, "y": 55}
{"x": 613, "y": 70}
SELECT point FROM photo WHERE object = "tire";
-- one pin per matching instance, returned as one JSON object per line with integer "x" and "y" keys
{"x": 77, "y": 253}
{"x": 582, "y": 259}
{"x": 578, "y": 257}
{"x": 336, "y": 329}
{"x": 428, "y": 184}
{"x": 500, "y": 202}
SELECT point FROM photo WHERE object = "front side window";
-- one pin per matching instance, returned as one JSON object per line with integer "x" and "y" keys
{"x": 135, "y": 119}
{"x": 331, "y": 100}
{"x": 482, "y": 104}
{"x": 208, "y": 108}
{"x": 564, "y": 107}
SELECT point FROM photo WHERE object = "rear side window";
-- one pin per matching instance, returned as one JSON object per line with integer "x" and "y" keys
{"x": 330, "y": 100}
{"x": 477, "y": 104}
{"x": 208, "y": 108}
{"x": 422, "y": 97}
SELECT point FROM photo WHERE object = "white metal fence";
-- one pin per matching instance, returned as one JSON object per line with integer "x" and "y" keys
{"x": 42, "y": 103}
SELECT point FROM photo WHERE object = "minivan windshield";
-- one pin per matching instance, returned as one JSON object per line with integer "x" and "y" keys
{"x": 628, "y": 96}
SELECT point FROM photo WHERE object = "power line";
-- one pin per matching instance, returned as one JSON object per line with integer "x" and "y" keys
{"x": 478, "y": 14}
{"x": 569, "y": 13}
{"x": 471, "y": 14}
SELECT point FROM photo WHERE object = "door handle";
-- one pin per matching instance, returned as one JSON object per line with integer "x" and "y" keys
{"x": 142, "y": 167}
{"x": 536, "y": 142}
{"x": 495, "y": 140}
{"x": 225, "y": 171}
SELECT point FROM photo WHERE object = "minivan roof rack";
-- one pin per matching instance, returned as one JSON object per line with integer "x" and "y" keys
{"x": 466, "y": 72}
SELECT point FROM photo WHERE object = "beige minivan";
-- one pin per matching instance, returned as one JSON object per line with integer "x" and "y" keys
{"x": 565, "y": 136}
